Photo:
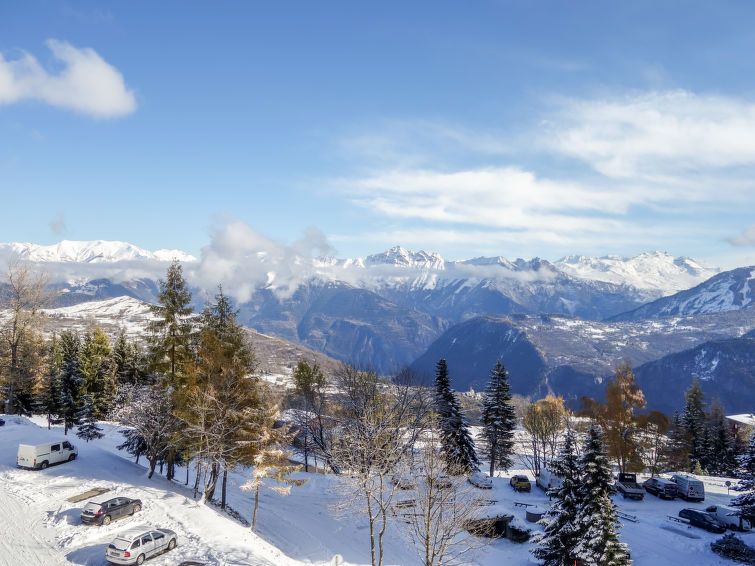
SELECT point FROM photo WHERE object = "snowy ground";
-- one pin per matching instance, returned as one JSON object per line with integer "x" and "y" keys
{"x": 38, "y": 525}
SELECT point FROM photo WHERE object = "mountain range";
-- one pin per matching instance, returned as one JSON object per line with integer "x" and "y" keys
{"x": 558, "y": 326}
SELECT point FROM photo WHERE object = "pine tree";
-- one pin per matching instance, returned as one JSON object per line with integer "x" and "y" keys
{"x": 456, "y": 441}
{"x": 557, "y": 543}
{"x": 88, "y": 429}
{"x": 596, "y": 520}
{"x": 499, "y": 419}
{"x": 98, "y": 370}
{"x": 693, "y": 421}
{"x": 70, "y": 380}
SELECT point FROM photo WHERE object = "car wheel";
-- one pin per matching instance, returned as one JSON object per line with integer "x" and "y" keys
{"x": 136, "y": 509}
{"x": 140, "y": 559}
{"x": 72, "y": 457}
{"x": 172, "y": 544}
{"x": 106, "y": 520}
{"x": 43, "y": 465}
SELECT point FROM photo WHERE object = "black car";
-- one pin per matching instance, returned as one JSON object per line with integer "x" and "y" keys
{"x": 102, "y": 512}
{"x": 703, "y": 520}
{"x": 665, "y": 489}
{"x": 2, "y": 422}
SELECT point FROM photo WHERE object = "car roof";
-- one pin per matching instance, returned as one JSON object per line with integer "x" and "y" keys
{"x": 133, "y": 532}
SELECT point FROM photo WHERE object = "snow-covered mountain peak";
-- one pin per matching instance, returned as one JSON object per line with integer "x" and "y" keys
{"x": 402, "y": 257}
{"x": 658, "y": 271}
{"x": 96, "y": 251}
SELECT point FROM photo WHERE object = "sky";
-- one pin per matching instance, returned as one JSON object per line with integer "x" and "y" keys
{"x": 488, "y": 128}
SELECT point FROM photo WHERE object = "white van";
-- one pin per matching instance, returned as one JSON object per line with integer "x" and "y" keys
{"x": 548, "y": 480}
{"x": 730, "y": 517}
{"x": 691, "y": 489}
{"x": 43, "y": 455}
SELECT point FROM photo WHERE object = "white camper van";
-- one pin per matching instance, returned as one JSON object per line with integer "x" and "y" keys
{"x": 691, "y": 489}
{"x": 548, "y": 480}
{"x": 730, "y": 517}
{"x": 43, "y": 455}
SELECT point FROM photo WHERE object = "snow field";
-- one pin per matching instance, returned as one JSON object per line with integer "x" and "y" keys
{"x": 40, "y": 527}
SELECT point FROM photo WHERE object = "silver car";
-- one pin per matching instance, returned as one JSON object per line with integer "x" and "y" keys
{"x": 137, "y": 544}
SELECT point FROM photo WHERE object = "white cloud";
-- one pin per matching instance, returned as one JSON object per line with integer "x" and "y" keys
{"x": 86, "y": 83}
{"x": 745, "y": 238}
{"x": 655, "y": 133}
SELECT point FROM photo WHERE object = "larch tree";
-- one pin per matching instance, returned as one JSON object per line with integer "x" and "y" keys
{"x": 618, "y": 418}
{"x": 309, "y": 385}
{"x": 596, "y": 520}
{"x": 499, "y": 419}
{"x": 544, "y": 420}
{"x": 456, "y": 440}
{"x": 557, "y": 543}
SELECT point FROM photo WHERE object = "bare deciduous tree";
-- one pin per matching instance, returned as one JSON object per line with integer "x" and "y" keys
{"x": 379, "y": 424}
{"x": 441, "y": 508}
{"x": 23, "y": 295}
{"x": 544, "y": 420}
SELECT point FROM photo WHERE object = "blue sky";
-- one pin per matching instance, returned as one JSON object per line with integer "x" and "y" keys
{"x": 518, "y": 129}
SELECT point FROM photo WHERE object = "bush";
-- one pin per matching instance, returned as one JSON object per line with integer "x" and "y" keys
{"x": 734, "y": 548}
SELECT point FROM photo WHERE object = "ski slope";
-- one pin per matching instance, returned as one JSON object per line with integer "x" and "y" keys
{"x": 39, "y": 526}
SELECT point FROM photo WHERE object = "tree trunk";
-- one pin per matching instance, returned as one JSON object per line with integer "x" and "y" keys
{"x": 222, "y": 490}
{"x": 196, "y": 479}
{"x": 256, "y": 504}
{"x": 152, "y": 464}
{"x": 372, "y": 530}
{"x": 209, "y": 491}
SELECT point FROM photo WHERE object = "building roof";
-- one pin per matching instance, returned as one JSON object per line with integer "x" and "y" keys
{"x": 744, "y": 418}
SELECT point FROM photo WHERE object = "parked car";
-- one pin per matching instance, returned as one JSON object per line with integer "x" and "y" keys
{"x": 730, "y": 517}
{"x": 691, "y": 489}
{"x": 43, "y": 455}
{"x": 478, "y": 479}
{"x": 520, "y": 483}
{"x": 135, "y": 545}
{"x": 665, "y": 489}
{"x": 404, "y": 481}
{"x": 2, "y": 422}
{"x": 102, "y": 512}
{"x": 703, "y": 520}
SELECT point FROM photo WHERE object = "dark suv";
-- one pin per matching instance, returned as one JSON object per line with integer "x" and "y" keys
{"x": 665, "y": 489}
{"x": 102, "y": 512}
{"x": 703, "y": 520}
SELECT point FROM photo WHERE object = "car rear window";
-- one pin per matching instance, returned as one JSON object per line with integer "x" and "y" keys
{"x": 92, "y": 507}
{"x": 121, "y": 544}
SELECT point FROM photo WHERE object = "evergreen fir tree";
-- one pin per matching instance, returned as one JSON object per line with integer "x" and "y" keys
{"x": 127, "y": 361}
{"x": 597, "y": 520}
{"x": 170, "y": 343}
{"x": 88, "y": 429}
{"x": 70, "y": 380}
{"x": 49, "y": 398}
{"x": 693, "y": 421}
{"x": 721, "y": 460}
{"x": 499, "y": 419}
{"x": 456, "y": 441}
{"x": 557, "y": 543}
{"x": 746, "y": 473}
{"x": 98, "y": 370}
